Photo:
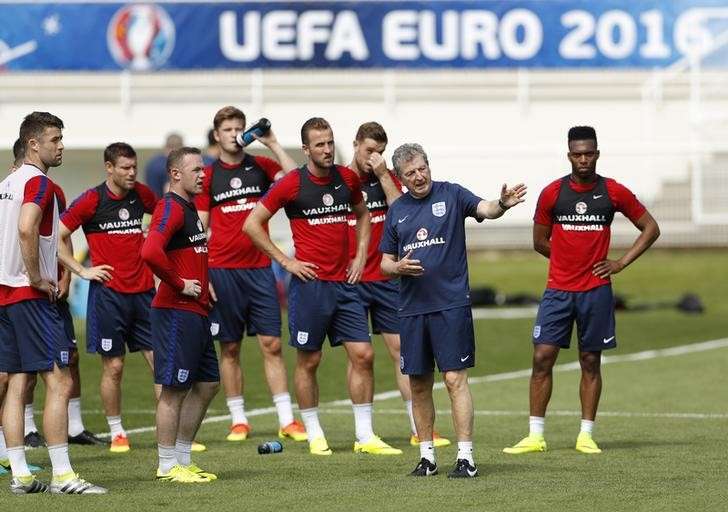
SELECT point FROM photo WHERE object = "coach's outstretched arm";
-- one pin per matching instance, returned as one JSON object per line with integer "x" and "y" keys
{"x": 650, "y": 232}
{"x": 509, "y": 197}
{"x": 253, "y": 227}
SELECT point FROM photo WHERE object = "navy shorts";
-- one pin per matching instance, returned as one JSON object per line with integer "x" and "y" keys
{"x": 381, "y": 300}
{"x": 68, "y": 329}
{"x": 32, "y": 337}
{"x": 184, "y": 352}
{"x": 443, "y": 337}
{"x": 592, "y": 310}
{"x": 116, "y": 321}
{"x": 317, "y": 309}
{"x": 247, "y": 298}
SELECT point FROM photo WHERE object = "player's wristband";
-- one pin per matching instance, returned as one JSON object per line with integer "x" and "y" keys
{"x": 503, "y": 206}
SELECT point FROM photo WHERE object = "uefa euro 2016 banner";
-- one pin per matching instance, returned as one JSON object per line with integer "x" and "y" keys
{"x": 363, "y": 34}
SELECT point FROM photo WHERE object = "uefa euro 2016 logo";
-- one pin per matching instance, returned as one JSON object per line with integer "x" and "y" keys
{"x": 140, "y": 36}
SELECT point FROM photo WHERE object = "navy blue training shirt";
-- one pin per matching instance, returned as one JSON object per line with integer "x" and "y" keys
{"x": 432, "y": 227}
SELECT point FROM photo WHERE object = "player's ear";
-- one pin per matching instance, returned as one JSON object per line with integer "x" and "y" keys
{"x": 596, "y": 155}
{"x": 108, "y": 166}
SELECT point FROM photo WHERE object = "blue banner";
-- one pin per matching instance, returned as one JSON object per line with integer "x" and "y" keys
{"x": 370, "y": 34}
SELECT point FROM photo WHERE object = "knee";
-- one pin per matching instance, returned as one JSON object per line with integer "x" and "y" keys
{"x": 542, "y": 364}
{"x": 590, "y": 366}
{"x": 455, "y": 381}
{"x": 362, "y": 359}
{"x": 419, "y": 385}
{"x": 230, "y": 352}
{"x": 271, "y": 346}
{"x": 309, "y": 361}
{"x": 114, "y": 368}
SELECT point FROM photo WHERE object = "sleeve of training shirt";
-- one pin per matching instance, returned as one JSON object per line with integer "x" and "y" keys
{"x": 625, "y": 201}
{"x": 147, "y": 195}
{"x": 354, "y": 183}
{"x": 546, "y": 202}
{"x": 270, "y": 166}
{"x": 82, "y": 209}
{"x": 202, "y": 200}
{"x": 468, "y": 201}
{"x": 390, "y": 240}
{"x": 282, "y": 192}
{"x": 39, "y": 190}
{"x": 167, "y": 218}
{"x": 61, "y": 198}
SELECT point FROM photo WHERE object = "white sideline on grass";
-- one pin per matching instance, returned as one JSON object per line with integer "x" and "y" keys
{"x": 386, "y": 395}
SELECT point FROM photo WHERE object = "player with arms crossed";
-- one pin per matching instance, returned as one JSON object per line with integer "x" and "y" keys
{"x": 31, "y": 328}
{"x": 424, "y": 245}
{"x": 185, "y": 364}
{"x": 378, "y": 292}
{"x": 322, "y": 298}
{"x": 241, "y": 274}
{"x": 572, "y": 229}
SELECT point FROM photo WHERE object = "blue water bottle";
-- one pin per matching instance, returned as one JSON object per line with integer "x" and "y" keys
{"x": 270, "y": 447}
{"x": 261, "y": 127}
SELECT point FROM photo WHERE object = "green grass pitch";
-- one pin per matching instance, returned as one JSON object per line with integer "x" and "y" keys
{"x": 662, "y": 422}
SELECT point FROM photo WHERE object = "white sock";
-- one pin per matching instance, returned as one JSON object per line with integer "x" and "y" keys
{"x": 427, "y": 450}
{"x": 283, "y": 405}
{"x": 75, "y": 422}
{"x": 59, "y": 459}
{"x": 465, "y": 451}
{"x": 167, "y": 458}
{"x": 183, "y": 451}
{"x": 115, "y": 426}
{"x": 311, "y": 421}
{"x": 18, "y": 465}
{"x": 587, "y": 426}
{"x": 236, "y": 404}
{"x": 408, "y": 406}
{"x": 363, "y": 422}
{"x": 3, "y": 447}
{"x": 30, "y": 420}
{"x": 536, "y": 425}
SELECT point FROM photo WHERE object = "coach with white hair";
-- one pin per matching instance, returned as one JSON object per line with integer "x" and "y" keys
{"x": 424, "y": 245}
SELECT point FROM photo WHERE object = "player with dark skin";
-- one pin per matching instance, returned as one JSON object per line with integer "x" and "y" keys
{"x": 583, "y": 156}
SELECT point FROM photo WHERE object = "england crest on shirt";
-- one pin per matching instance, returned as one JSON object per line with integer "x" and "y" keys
{"x": 439, "y": 209}
{"x": 106, "y": 344}
{"x": 182, "y": 375}
{"x": 536, "y": 331}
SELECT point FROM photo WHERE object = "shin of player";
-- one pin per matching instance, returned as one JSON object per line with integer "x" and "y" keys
{"x": 424, "y": 244}
{"x": 185, "y": 364}
{"x": 241, "y": 275}
{"x": 32, "y": 337}
{"x": 322, "y": 296}
{"x": 572, "y": 229}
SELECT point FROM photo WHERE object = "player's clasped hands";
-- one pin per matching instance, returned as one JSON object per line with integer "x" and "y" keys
{"x": 101, "y": 273}
{"x": 409, "y": 267}
{"x": 303, "y": 270}
{"x": 47, "y": 287}
{"x": 192, "y": 288}
{"x": 513, "y": 196}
